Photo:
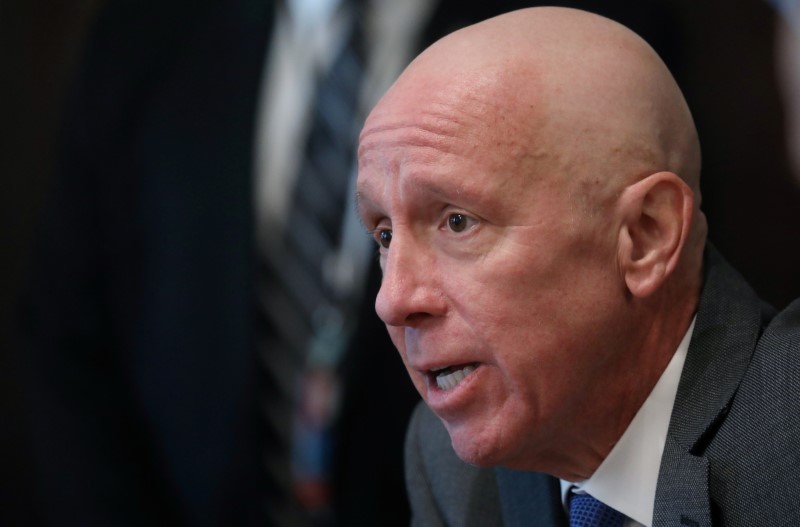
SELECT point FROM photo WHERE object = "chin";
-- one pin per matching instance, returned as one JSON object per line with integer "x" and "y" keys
{"x": 502, "y": 442}
{"x": 477, "y": 449}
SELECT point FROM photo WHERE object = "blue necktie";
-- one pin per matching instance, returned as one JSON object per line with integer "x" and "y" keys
{"x": 586, "y": 511}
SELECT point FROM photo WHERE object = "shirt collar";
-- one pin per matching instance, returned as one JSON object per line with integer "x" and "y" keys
{"x": 626, "y": 479}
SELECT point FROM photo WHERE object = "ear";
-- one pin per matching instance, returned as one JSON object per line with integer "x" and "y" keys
{"x": 656, "y": 216}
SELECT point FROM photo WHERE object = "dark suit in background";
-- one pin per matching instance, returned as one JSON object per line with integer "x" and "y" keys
{"x": 139, "y": 318}
{"x": 731, "y": 456}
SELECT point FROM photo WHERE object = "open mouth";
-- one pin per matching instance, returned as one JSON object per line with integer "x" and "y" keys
{"x": 449, "y": 377}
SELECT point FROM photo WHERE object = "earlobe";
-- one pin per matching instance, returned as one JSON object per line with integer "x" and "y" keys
{"x": 657, "y": 214}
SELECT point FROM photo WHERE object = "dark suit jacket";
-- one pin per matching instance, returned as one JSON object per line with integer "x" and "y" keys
{"x": 732, "y": 456}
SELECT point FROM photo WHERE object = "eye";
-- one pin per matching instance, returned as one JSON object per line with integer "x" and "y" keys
{"x": 384, "y": 238}
{"x": 458, "y": 222}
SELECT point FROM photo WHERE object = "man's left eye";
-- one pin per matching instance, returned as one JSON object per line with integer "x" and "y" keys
{"x": 458, "y": 222}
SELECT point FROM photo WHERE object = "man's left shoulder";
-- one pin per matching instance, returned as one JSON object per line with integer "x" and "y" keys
{"x": 775, "y": 365}
{"x": 783, "y": 332}
{"x": 766, "y": 396}
{"x": 755, "y": 459}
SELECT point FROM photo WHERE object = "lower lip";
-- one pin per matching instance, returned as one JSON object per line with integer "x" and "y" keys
{"x": 450, "y": 401}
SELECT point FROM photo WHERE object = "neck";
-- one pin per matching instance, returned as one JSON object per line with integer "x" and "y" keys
{"x": 653, "y": 334}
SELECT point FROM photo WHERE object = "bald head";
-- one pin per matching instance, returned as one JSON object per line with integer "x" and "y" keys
{"x": 578, "y": 92}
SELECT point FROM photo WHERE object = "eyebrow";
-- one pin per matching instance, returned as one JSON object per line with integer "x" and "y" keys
{"x": 455, "y": 193}
{"x": 364, "y": 205}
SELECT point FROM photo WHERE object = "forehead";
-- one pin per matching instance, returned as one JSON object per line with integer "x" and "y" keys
{"x": 485, "y": 136}
{"x": 436, "y": 156}
{"x": 447, "y": 100}
{"x": 461, "y": 136}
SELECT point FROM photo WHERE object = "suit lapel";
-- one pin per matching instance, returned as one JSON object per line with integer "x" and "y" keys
{"x": 529, "y": 499}
{"x": 682, "y": 495}
{"x": 729, "y": 321}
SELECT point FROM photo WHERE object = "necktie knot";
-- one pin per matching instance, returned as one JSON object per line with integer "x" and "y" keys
{"x": 587, "y": 511}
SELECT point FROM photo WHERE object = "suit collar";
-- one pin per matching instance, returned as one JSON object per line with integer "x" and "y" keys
{"x": 729, "y": 321}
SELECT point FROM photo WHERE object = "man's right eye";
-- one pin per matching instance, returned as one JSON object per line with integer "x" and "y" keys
{"x": 384, "y": 238}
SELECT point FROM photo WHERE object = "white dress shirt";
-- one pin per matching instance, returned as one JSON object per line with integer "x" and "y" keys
{"x": 626, "y": 479}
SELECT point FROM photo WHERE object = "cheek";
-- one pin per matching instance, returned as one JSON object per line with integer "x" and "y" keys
{"x": 544, "y": 325}
{"x": 531, "y": 287}
{"x": 505, "y": 300}
{"x": 525, "y": 315}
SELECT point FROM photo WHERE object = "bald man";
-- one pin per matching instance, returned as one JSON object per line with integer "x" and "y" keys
{"x": 532, "y": 183}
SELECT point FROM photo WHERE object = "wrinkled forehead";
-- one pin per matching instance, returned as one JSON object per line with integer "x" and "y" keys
{"x": 455, "y": 138}
{"x": 447, "y": 108}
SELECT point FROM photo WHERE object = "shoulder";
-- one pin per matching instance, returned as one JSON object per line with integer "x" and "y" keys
{"x": 772, "y": 381}
{"x": 755, "y": 457}
{"x": 775, "y": 366}
{"x": 430, "y": 458}
{"x": 444, "y": 490}
{"x": 736, "y": 419}
{"x": 783, "y": 332}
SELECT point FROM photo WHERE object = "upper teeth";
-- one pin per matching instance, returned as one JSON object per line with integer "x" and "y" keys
{"x": 446, "y": 381}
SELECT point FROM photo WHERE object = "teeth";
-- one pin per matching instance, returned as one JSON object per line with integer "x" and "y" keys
{"x": 447, "y": 381}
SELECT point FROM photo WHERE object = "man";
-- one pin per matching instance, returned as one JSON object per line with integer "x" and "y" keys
{"x": 533, "y": 185}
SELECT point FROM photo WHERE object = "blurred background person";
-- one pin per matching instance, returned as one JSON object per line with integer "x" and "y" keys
{"x": 199, "y": 317}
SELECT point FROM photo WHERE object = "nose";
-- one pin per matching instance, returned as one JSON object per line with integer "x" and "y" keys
{"x": 410, "y": 290}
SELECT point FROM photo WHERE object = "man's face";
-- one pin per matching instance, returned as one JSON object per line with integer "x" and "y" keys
{"x": 498, "y": 290}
